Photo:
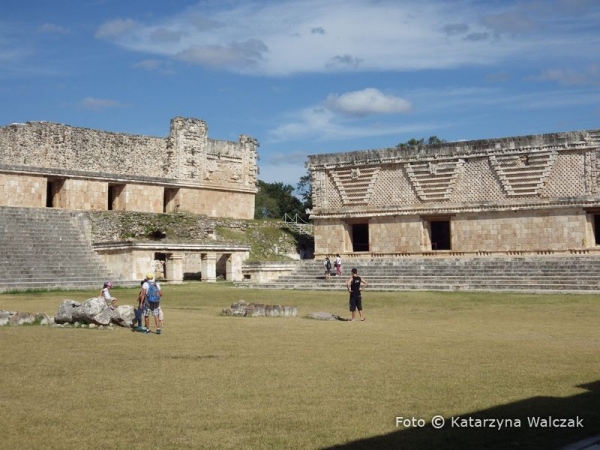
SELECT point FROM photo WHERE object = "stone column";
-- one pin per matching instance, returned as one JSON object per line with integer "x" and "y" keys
{"x": 175, "y": 267}
{"x": 234, "y": 267}
{"x": 209, "y": 267}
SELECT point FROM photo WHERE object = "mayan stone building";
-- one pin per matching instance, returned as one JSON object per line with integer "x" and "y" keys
{"x": 523, "y": 195}
{"x": 53, "y": 165}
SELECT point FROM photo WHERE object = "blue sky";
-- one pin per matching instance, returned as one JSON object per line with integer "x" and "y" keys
{"x": 304, "y": 76}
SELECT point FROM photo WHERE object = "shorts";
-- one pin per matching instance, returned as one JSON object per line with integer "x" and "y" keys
{"x": 355, "y": 302}
{"x": 154, "y": 307}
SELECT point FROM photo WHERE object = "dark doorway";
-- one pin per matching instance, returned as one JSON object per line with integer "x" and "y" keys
{"x": 360, "y": 237}
{"x": 440, "y": 235}
{"x": 50, "y": 194}
{"x": 171, "y": 200}
{"x": 53, "y": 188}
{"x": 160, "y": 261}
{"x": 114, "y": 196}
{"x": 597, "y": 228}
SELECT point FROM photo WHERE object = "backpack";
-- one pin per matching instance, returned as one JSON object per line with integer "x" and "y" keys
{"x": 152, "y": 295}
{"x": 328, "y": 265}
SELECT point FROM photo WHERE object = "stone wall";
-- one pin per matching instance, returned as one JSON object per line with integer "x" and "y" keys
{"x": 186, "y": 171}
{"x": 81, "y": 194}
{"x": 22, "y": 190}
{"x": 217, "y": 203}
{"x": 525, "y": 193}
{"x": 53, "y": 145}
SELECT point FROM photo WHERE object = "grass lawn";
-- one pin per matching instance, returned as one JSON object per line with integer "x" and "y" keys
{"x": 211, "y": 381}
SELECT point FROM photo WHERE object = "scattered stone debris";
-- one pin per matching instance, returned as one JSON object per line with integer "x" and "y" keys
{"x": 91, "y": 313}
{"x": 24, "y": 318}
{"x": 94, "y": 311}
{"x": 241, "y": 308}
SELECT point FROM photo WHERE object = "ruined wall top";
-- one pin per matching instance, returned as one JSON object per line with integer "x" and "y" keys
{"x": 186, "y": 157}
{"x": 451, "y": 150}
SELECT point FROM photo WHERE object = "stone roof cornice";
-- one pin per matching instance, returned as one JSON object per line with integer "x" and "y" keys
{"x": 555, "y": 142}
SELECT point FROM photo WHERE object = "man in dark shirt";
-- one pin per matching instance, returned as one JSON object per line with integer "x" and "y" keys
{"x": 355, "y": 285}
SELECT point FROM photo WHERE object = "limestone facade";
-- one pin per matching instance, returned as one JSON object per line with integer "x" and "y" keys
{"x": 519, "y": 195}
{"x": 53, "y": 165}
{"x": 173, "y": 262}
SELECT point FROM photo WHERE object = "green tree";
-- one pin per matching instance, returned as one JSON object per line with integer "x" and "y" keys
{"x": 273, "y": 200}
{"x": 304, "y": 190}
{"x": 414, "y": 142}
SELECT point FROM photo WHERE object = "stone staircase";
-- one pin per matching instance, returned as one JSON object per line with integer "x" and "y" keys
{"x": 46, "y": 249}
{"x": 524, "y": 274}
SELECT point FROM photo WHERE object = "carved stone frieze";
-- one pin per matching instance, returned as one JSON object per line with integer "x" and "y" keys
{"x": 592, "y": 172}
{"x": 434, "y": 181}
{"x": 355, "y": 185}
{"x": 523, "y": 174}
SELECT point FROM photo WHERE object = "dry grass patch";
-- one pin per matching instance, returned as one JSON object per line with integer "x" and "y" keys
{"x": 225, "y": 382}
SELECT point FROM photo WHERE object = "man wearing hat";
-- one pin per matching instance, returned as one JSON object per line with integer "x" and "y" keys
{"x": 152, "y": 296}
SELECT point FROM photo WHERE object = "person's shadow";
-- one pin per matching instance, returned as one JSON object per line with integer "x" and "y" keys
{"x": 584, "y": 407}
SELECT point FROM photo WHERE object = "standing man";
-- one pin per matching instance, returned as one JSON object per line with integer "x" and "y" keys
{"x": 152, "y": 295}
{"x": 355, "y": 285}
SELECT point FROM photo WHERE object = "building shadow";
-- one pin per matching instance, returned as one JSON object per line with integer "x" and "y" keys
{"x": 455, "y": 435}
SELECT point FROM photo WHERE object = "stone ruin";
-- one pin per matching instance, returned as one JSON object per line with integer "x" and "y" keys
{"x": 14, "y": 318}
{"x": 93, "y": 312}
{"x": 241, "y": 308}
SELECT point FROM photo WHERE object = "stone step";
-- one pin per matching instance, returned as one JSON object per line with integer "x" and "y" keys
{"x": 65, "y": 284}
{"x": 44, "y": 248}
{"x": 438, "y": 274}
{"x": 568, "y": 273}
{"x": 528, "y": 287}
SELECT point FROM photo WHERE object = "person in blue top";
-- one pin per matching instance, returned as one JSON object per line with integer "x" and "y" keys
{"x": 355, "y": 285}
{"x": 151, "y": 297}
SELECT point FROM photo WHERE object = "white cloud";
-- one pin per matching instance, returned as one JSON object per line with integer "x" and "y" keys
{"x": 366, "y": 102}
{"x": 164, "y": 67}
{"x": 240, "y": 56}
{"x": 454, "y": 107}
{"x": 52, "y": 28}
{"x": 342, "y": 116}
{"x": 571, "y": 77}
{"x": 148, "y": 64}
{"x": 321, "y": 124}
{"x": 293, "y": 157}
{"x": 312, "y": 36}
{"x": 97, "y": 104}
{"x": 116, "y": 28}
{"x": 511, "y": 23}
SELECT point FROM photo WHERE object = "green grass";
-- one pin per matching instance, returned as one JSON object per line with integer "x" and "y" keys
{"x": 212, "y": 381}
{"x": 264, "y": 237}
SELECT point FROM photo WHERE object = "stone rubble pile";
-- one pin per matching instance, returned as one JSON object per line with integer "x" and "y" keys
{"x": 14, "y": 318}
{"x": 93, "y": 312}
{"x": 241, "y": 308}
